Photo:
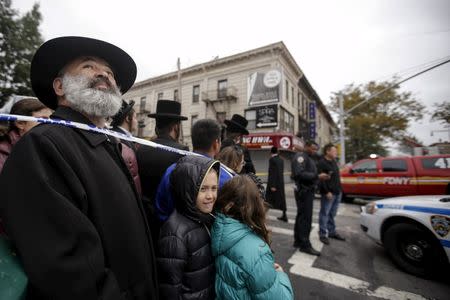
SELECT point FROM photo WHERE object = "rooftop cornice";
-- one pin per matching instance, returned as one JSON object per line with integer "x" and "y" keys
{"x": 278, "y": 47}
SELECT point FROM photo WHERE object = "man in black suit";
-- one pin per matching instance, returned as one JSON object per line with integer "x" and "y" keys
{"x": 275, "y": 184}
{"x": 125, "y": 121}
{"x": 153, "y": 162}
{"x": 236, "y": 128}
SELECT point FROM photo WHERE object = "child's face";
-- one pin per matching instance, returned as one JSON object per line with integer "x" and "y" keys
{"x": 208, "y": 193}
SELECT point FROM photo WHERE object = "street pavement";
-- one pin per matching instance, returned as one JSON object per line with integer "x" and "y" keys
{"x": 355, "y": 269}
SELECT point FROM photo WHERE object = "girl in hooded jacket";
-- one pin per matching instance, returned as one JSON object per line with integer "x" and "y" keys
{"x": 185, "y": 263}
{"x": 245, "y": 267}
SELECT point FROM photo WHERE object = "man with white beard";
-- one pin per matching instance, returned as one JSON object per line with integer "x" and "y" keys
{"x": 68, "y": 201}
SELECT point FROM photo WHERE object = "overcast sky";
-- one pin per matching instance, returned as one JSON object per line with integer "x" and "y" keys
{"x": 335, "y": 43}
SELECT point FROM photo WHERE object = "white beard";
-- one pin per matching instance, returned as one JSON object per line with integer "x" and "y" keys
{"x": 83, "y": 97}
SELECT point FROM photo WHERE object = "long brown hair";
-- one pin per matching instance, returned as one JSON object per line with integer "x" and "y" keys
{"x": 25, "y": 107}
{"x": 231, "y": 156}
{"x": 240, "y": 199}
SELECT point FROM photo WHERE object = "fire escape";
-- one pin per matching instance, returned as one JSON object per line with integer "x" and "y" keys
{"x": 219, "y": 101}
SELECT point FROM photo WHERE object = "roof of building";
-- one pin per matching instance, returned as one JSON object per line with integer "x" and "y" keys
{"x": 275, "y": 48}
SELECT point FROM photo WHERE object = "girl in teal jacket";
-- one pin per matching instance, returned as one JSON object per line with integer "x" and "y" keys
{"x": 245, "y": 267}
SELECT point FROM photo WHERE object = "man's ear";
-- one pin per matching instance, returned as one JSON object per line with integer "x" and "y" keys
{"x": 57, "y": 86}
{"x": 216, "y": 146}
{"x": 20, "y": 125}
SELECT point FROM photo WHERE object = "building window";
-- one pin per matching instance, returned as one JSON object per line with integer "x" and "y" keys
{"x": 160, "y": 95}
{"x": 305, "y": 107}
{"x": 195, "y": 93}
{"x": 298, "y": 100}
{"x": 319, "y": 122}
{"x": 194, "y": 119}
{"x": 142, "y": 104}
{"x": 222, "y": 88}
{"x": 287, "y": 91}
{"x": 292, "y": 96}
{"x": 286, "y": 121}
{"x": 175, "y": 95}
{"x": 250, "y": 115}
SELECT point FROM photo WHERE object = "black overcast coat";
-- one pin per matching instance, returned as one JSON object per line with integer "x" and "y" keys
{"x": 153, "y": 163}
{"x": 277, "y": 199}
{"x": 70, "y": 207}
{"x": 185, "y": 262}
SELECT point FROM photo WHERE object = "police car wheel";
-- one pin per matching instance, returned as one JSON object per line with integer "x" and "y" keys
{"x": 413, "y": 249}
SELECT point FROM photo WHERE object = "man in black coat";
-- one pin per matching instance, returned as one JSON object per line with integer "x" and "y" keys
{"x": 330, "y": 192}
{"x": 275, "y": 183}
{"x": 236, "y": 127}
{"x": 125, "y": 121}
{"x": 306, "y": 177}
{"x": 68, "y": 201}
{"x": 153, "y": 162}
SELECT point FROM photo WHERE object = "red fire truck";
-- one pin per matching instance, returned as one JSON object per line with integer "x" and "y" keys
{"x": 397, "y": 176}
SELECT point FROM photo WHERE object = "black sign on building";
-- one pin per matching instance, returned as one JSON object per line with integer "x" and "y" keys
{"x": 267, "y": 116}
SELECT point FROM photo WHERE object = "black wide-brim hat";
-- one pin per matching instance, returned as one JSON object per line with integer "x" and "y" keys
{"x": 237, "y": 124}
{"x": 168, "y": 109}
{"x": 120, "y": 116}
{"x": 55, "y": 54}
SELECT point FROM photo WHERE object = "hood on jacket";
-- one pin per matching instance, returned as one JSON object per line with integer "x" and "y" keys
{"x": 185, "y": 182}
{"x": 226, "y": 232}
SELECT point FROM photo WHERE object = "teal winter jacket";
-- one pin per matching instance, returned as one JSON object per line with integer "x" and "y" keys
{"x": 245, "y": 264}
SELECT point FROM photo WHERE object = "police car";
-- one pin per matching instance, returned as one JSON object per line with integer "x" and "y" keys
{"x": 413, "y": 229}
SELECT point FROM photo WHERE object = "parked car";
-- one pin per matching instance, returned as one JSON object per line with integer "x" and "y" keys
{"x": 397, "y": 176}
{"x": 413, "y": 229}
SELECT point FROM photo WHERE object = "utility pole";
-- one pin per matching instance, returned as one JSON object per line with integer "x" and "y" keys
{"x": 180, "y": 96}
{"x": 341, "y": 128}
{"x": 343, "y": 114}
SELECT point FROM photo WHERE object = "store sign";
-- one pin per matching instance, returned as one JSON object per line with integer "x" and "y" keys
{"x": 312, "y": 110}
{"x": 264, "y": 87}
{"x": 267, "y": 140}
{"x": 312, "y": 130}
{"x": 267, "y": 116}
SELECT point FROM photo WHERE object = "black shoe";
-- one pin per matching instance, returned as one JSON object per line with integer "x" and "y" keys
{"x": 310, "y": 250}
{"x": 283, "y": 218}
{"x": 336, "y": 236}
{"x": 324, "y": 240}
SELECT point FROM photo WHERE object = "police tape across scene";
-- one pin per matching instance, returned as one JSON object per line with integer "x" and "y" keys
{"x": 92, "y": 128}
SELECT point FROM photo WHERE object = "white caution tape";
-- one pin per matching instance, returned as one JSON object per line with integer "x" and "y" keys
{"x": 92, "y": 128}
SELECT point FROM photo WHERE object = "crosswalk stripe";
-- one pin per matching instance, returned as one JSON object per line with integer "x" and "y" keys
{"x": 302, "y": 264}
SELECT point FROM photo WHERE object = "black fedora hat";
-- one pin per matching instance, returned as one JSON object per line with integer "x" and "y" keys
{"x": 237, "y": 124}
{"x": 56, "y": 53}
{"x": 118, "y": 118}
{"x": 168, "y": 109}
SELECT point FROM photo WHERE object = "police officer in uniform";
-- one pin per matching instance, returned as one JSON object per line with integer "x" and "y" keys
{"x": 306, "y": 177}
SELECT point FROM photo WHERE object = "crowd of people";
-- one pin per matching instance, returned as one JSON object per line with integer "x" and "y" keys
{"x": 95, "y": 217}
{"x": 92, "y": 216}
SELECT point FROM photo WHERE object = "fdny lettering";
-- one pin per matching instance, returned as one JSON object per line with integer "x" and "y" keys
{"x": 396, "y": 180}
